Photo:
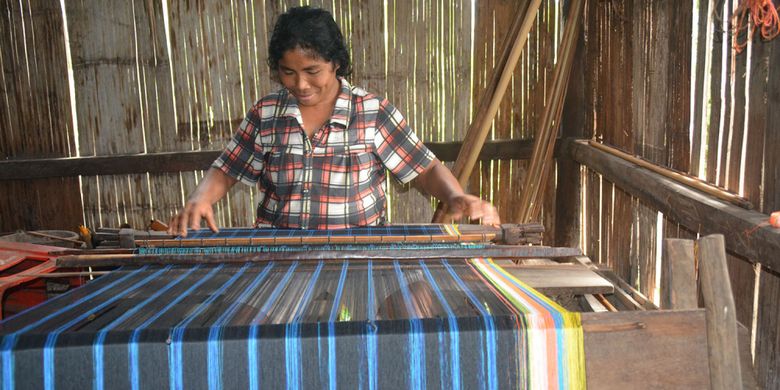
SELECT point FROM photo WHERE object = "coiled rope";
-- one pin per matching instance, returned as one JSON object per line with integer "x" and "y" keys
{"x": 752, "y": 14}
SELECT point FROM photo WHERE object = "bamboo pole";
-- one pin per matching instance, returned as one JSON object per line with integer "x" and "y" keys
{"x": 55, "y": 238}
{"x": 491, "y": 98}
{"x": 696, "y": 183}
{"x": 544, "y": 141}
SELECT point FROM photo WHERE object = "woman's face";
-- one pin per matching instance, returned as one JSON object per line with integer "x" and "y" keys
{"x": 311, "y": 79}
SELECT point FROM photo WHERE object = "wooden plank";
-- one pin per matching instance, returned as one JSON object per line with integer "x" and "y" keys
{"x": 744, "y": 279}
{"x": 643, "y": 255}
{"x": 646, "y": 350}
{"x": 692, "y": 209}
{"x": 748, "y": 370}
{"x": 506, "y": 252}
{"x": 721, "y": 313}
{"x": 718, "y": 35}
{"x": 604, "y": 212}
{"x": 699, "y": 91}
{"x": 736, "y": 95}
{"x": 592, "y": 215}
{"x": 678, "y": 74}
{"x": 678, "y": 275}
{"x": 758, "y": 113}
{"x": 183, "y": 161}
{"x": 771, "y": 176}
{"x": 561, "y": 279}
{"x": 620, "y": 239}
{"x": 767, "y": 354}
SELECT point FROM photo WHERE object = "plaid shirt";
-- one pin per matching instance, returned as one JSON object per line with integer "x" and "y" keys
{"x": 333, "y": 180}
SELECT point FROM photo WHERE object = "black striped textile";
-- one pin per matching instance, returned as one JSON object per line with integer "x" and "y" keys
{"x": 348, "y": 324}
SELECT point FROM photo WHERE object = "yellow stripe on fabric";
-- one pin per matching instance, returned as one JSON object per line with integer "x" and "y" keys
{"x": 527, "y": 288}
{"x": 542, "y": 367}
{"x": 541, "y": 321}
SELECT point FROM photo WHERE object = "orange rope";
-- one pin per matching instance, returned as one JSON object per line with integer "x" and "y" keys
{"x": 763, "y": 13}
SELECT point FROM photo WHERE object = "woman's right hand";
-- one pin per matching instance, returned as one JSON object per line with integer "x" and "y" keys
{"x": 191, "y": 216}
{"x": 212, "y": 188}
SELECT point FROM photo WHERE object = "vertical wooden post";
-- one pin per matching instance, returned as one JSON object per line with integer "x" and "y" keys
{"x": 725, "y": 370}
{"x": 678, "y": 285}
{"x": 569, "y": 185}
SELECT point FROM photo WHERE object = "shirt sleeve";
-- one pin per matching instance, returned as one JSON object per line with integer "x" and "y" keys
{"x": 399, "y": 148}
{"x": 242, "y": 158}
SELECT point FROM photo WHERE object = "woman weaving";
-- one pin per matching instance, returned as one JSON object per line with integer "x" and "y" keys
{"x": 318, "y": 149}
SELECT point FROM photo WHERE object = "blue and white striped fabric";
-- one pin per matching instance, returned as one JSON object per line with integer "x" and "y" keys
{"x": 356, "y": 324}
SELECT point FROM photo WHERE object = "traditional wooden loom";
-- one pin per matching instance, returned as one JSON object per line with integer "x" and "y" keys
{"x": 410, "y": 306}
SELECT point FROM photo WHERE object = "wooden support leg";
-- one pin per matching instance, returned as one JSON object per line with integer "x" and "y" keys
{"x": 721, "y": 314}
{"x": 678, "y": 288}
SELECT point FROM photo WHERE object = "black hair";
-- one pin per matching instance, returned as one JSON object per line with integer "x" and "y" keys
{"x": 310, "y": 29}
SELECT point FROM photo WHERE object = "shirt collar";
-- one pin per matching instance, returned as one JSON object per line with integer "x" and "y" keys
{"x": 341, "y": 111}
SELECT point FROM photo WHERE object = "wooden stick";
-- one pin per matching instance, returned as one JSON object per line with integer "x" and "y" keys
{"x": 496, "y": 252}
{"x": 491, "y": 98}
{"x": 53, "y": 237}
{"x": 605, "y": 302}
{"x": 725, "y": 372}
{"x": 696, "y": 183}
{"x": 622, "y": 327}
{"x": 512, "y": 234}
{"x": 544, "y": 141}
{"x": 157, "y": 226}
{"x": 64, "y": 274}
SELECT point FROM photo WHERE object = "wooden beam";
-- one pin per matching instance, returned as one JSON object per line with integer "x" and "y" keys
{"x": 646, "y": 350}
{"x": 496, "y": 252}
{"x": 199, "y": 160}
{"x": 567, "y": 195}
{"x": 721, "y": 312}
{"x": 678, "y": 275}
{"x": 742, "y": 229}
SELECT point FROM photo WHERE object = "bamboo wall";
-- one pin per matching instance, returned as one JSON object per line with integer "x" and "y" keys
{"x": 637, "y": 96}
{"x": 179, "y": 75}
